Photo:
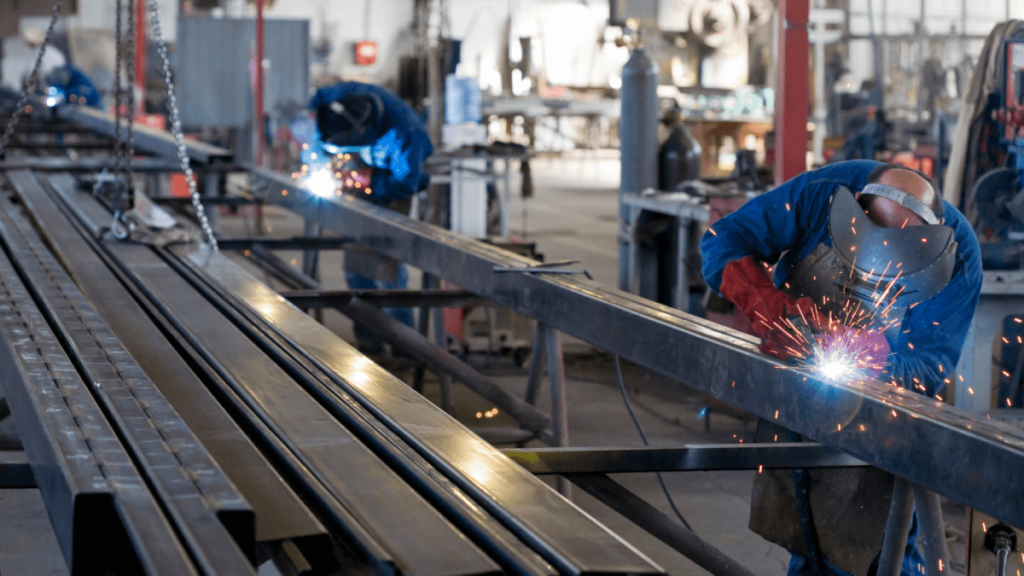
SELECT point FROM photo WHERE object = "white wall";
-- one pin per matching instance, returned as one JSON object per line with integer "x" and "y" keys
{"x": 343, "y": 23}
{"x": 564, "y": 32}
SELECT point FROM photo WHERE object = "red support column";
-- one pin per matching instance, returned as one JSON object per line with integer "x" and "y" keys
{"x": 791, "y": 91}
{"x": 140, "y": 57}
{"x": 258, "y": 124}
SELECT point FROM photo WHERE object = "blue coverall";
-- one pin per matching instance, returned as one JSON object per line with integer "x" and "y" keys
{"x": 787, "y": 223}
{"x": 401, "y": 144}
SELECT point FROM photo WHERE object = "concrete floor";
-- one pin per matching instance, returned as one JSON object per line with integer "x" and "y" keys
{"x": 572, "y": 216}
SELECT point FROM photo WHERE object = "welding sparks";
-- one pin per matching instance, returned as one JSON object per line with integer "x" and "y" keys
{"x": 320, "y": 182}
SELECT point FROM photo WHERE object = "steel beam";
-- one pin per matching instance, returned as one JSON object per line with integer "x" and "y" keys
{"x": 685, "y": 458}
{"x": 198, "y": 496}
{"x": 16, "y": 471}
{"x": 156, "y": 142}
{"x": 960, "y": 455}
{"x": 560, "y": 532}
{"x": 364, "y": 499}
{"x": 280, "y": 514}
{"x": 100, "y": 163}
{"x": 297, "y": 243}
{"x": 98, "y": 503}
{"x": 313, "y": 299}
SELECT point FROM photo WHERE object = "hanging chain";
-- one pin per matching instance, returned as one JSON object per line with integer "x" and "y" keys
{"x": 31, "y": 83}
{"x": 129, "y": 62}
{"x": 118, "y": 90}
{"x": 179, "y": 139}
{"x": 124, "y": 97}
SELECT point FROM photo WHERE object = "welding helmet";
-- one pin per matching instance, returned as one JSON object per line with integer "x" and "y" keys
{"x": 885, "y": 267}
{"x": 351, "y": 120}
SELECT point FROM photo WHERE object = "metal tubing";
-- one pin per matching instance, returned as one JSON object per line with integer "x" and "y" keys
{"x": 536, "y": 364}
{"x": 559, "y": 410}
{"x": 16, "y": 471}
{"x": 931, "y": 536}
{"x": 408, "y": 340}
{"x": 426, "y": 299}
{"x": 684, "y": 458}
{"x": 659, "y": 525}
{"x": 897, "y": 527}
{"x": 205, "y": 505}
{"x": 561, "y": 533}
{"x": 280, "y": 514}
{"x": 959, "y": 455}
{"x": 90, "y": 488}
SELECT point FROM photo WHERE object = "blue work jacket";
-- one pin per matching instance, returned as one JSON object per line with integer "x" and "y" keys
{"x": 401, "y": 142}
{"x": 787, "y": 223}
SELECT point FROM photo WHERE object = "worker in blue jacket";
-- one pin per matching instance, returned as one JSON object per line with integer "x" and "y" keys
{"x": 384, "y": 130}
{"x": 875, "y": 250}
{"x": 371, "y": 123}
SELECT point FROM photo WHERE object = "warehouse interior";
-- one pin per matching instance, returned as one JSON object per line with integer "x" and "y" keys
{"x": 533, "y": 287}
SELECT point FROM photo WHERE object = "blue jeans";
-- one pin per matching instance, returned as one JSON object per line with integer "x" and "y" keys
{"x": 912, "y": 560}
{"x": 364, "y": 337}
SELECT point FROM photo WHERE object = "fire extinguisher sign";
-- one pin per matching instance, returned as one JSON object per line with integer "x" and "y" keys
{"x": 366, "y": 52}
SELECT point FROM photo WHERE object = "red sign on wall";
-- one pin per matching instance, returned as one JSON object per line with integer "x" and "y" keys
{"x": 366, "y": 52}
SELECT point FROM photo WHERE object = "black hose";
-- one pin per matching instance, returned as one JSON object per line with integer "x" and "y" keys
{"x": 625, "y": 399}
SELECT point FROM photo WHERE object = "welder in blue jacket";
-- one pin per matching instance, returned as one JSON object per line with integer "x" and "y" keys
{"x": 369, "y": 122}
{"x": 862, "y": 237}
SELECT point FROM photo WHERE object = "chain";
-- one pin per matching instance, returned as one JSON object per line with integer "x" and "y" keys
{"x": 32, "y": 79}
{"x": 118, "y": 90}
{"x": 179, "y": 139}
{"x": 129, "y": 61}
{"x": 124, "y": 97}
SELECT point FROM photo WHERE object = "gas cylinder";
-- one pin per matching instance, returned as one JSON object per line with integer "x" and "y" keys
{"x": 638, "y": 138}
{"x": 678, "y": 158}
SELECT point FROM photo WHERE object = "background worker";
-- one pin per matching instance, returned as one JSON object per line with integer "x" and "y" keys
{"x": 374, "y": 131}
{"x": 873, "y": 247}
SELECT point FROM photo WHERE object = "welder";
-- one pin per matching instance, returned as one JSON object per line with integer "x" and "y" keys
{"x": 872, "y": 246}
{"x": 376, "y": 127}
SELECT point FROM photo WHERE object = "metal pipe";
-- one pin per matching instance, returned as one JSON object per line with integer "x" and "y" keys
{"x": 932, "y": 535}
{"x": 897, "y": 527}
{"x": 410, "y": 341}
{"x": 659, "y": 525}
{"x": 536, "y": 365}
{"x": 559, "y": 410}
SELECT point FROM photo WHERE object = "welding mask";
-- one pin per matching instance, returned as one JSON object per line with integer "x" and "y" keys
{"x": 350, "y": 121}
{"x": 890, "y": 267}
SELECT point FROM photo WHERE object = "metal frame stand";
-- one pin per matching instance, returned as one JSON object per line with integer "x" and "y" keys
{"x": 559, "y": 412}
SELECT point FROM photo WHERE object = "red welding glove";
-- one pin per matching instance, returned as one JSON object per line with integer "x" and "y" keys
{"x": 746, "y": 285}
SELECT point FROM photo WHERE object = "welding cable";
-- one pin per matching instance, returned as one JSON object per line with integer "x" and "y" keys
{"x": 625, "y": 399}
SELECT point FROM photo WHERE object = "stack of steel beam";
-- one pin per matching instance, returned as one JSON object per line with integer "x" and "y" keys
{"x": 341, "y": 463}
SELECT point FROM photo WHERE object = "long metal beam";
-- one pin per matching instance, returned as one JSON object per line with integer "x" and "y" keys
{"x": 955, "y": 453}
{"x": 280, "y": 514}
{"x": 95, "y": 497}
{"x": 100, "y": 163}
{"x": 15, "y": 470}
{"x": 685, "y": 458}
{"x": 196, "y": 493}
{"x": 563, "y": 534}
{"x": 313, "y": 299}
{"x": 368, "y": 500}
{"x": 156, "y": 142}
